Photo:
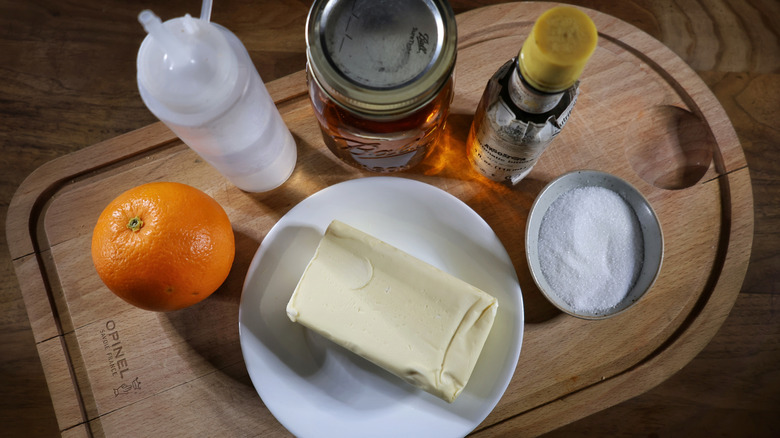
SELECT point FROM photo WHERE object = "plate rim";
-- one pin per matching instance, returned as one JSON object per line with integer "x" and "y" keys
{"x": 515, "y": 332}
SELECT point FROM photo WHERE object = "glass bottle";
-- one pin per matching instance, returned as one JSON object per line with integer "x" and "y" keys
{"x": 529, "y": 99}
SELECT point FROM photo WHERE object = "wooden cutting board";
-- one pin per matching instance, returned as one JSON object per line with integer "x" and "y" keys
{"x": 114, "y": 370}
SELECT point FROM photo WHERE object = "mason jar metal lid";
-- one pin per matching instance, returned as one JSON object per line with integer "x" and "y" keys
{"x": 381, "y": 57}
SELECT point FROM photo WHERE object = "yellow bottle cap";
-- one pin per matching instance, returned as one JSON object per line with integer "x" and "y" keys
{"x": 554, "y": 55}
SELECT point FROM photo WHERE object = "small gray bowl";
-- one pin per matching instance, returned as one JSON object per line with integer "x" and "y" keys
{"x": 648, "y": 221}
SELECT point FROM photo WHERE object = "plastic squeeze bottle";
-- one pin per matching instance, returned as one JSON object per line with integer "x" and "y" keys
{"x": 529, "y": 99}
{"x": 198, "y": 79}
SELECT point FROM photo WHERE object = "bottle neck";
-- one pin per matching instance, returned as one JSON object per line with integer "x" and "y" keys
{"x": 528, "y": 98}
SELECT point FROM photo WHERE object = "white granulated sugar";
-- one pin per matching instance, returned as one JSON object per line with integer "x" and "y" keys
{"x": 590, "y": 248}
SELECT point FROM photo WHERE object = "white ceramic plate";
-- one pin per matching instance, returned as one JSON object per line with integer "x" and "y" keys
{"x": 317, "y": 389}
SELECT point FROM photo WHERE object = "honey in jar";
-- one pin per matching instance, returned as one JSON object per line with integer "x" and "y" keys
{"x": 380, "y": 78}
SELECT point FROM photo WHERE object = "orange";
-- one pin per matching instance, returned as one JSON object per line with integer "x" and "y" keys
{"x": 163, "y": 246}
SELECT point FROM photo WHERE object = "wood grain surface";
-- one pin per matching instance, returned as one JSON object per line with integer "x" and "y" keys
{"x": 69, "y": 82}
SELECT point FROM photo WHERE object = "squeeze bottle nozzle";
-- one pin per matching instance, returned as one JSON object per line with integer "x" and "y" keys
{"x": 188, "y": 70}
{"x": 205, "y": 11}
{"x": 174, "y": 49}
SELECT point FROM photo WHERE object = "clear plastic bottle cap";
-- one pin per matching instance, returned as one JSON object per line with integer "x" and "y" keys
{"x": 185, "y": 67}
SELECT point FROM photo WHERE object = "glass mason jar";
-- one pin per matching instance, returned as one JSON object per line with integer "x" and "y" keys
{"x": 380, "y": 78}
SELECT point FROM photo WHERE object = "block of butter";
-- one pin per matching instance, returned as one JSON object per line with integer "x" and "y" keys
{"x": 410, "y": 318}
